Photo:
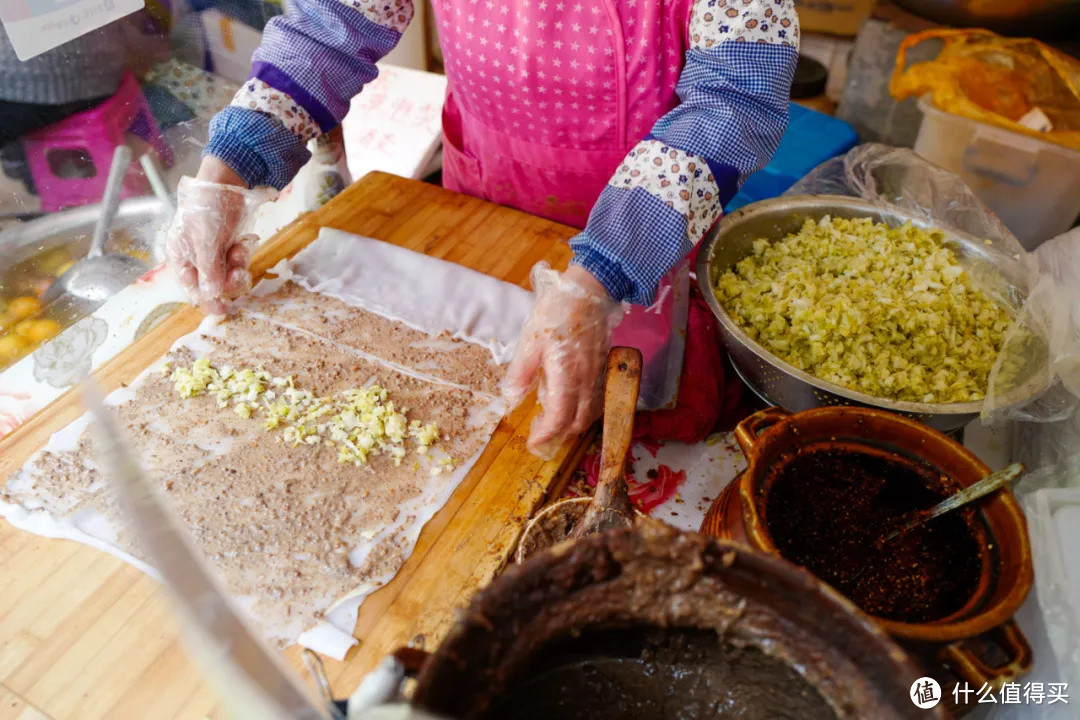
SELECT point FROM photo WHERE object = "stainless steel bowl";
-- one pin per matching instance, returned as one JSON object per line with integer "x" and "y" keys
{"x": 779, "y": 383}
{"x": 139, "y": 218}
{"x": 25, "y": 250}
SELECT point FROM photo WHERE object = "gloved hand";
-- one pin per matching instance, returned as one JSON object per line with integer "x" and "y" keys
{"x": 205, "y": 246}
{"x": 378, "y": 697}
{"x": 562, "y": 348}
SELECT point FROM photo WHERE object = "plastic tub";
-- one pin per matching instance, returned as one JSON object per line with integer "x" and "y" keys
{"x": 1029, "y": 183}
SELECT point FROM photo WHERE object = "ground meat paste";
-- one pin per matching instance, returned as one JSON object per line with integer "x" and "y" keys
{"x": 291, "y": 529}
{"x": 829, "y": 510}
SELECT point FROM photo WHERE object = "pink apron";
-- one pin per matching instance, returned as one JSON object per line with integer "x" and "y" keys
{"x": 545, "y": 99}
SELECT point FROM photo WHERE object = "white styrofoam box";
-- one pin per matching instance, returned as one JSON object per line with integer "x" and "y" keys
{"x": 1044, "y": 669}
{"x": 231, "y": 44}
{"x": 1053, "y": 516}
{"x": 1067, "y": 523}
{"x": 1031, "y": 184}
{"x": 395, "y": 124}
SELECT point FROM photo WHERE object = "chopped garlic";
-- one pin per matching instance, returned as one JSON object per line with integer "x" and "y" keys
{"x": 360, "y": 423}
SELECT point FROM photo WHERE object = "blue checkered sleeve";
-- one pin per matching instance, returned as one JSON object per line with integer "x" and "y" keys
{"x": 310, "y": 64}
{"x": 257, "y": 146}
{"x": 674, "y": 183}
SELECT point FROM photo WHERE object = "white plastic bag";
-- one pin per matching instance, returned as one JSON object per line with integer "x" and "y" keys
{"x": 891, "y": 176}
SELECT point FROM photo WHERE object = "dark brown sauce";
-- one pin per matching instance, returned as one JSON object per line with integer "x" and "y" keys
{"x": 828, "y": 511}
{"x": 649, "y": 673}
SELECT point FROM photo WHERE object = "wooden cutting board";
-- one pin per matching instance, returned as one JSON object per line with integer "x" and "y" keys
{"x": 86, "y": 637}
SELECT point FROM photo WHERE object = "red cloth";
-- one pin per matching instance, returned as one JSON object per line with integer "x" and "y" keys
{"x": 706, "y": 397}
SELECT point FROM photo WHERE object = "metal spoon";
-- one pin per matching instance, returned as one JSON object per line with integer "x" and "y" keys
{"x": 157, "y": 182}
{"x": 99, "y": 275}
{"x": 987, "y": 485}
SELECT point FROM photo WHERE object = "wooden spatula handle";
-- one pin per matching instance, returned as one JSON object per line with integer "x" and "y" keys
{"x": 611, "y": 507}
{"x": 623, "y": 381}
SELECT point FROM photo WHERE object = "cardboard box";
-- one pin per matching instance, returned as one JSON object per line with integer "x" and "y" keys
{"x": 833, "y": 17}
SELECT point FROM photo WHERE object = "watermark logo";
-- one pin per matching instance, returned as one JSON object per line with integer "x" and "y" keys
{"x": 1012, "y": 693}
{"x": 925, "y": 693}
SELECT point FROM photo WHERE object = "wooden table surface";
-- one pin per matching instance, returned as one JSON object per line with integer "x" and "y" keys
{"x": 84, "y": 636}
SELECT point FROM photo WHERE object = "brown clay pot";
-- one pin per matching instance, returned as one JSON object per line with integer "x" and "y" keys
{"x": 770, "y": 436}
{"x": 656, "y": 577}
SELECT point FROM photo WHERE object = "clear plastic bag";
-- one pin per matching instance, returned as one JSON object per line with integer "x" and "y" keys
{"x": 659, "y": 332}
{"x": 1054, "y": 305}
{"x": 891, "y": 176}
{"x": 1041, "y": 355}
{"x": 1046, "y": 336}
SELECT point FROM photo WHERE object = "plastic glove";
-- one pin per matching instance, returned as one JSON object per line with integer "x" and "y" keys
{"x": 379, "y": 687}
{"x": 562, "y": 348}
{"x": 206, "y": 246}
{"x": 378, "y": 697}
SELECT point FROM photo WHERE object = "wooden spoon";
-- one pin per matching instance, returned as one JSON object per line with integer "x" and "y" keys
{"x": 610, "y": 506}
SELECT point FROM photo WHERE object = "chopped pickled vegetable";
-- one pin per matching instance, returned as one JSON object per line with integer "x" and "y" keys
{"x": 885, "y": 311}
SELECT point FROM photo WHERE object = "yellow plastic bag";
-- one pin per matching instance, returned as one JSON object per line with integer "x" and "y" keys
{"x": 996, "y": 80}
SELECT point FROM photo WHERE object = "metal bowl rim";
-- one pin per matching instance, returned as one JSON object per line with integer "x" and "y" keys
{"x": 1022, "y": 394}
{"x": 15, "y": 241}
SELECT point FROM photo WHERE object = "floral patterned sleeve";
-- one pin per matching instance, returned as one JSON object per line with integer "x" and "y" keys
{"x": 672, "y": 186}
{"x": 311, "y": 62}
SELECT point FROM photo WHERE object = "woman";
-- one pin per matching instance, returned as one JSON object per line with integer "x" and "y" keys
{"x": 635, "y": 120}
